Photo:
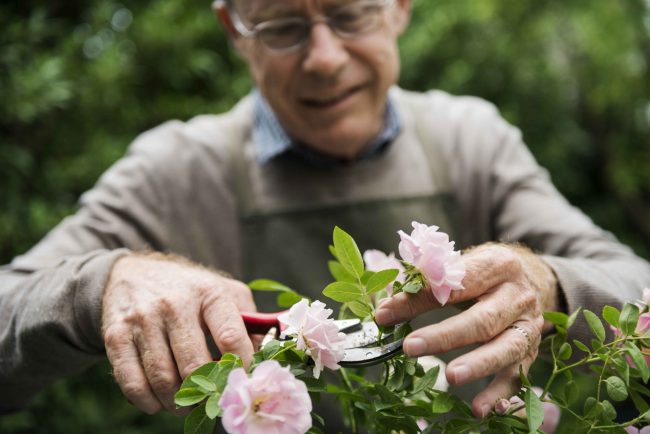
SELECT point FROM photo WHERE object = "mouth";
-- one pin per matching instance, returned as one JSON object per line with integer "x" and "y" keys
{"x": 330, "y": 100}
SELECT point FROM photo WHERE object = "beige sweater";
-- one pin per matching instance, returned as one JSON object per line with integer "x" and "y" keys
{"x": 175, "y": 191}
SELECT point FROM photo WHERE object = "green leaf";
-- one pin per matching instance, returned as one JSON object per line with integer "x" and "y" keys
{"x": 268, "y": 285}
{"x": 343, "y": 291}
{"x": 565, "y": 351}
{"x": 333, "y": 251}
{"x": 198, "y": 422}
{"x": 611, "y": 315}
{"x": 523, "y": 377}
{"x": 360, "y": 309}
{"x": 204, "y": 383}
{"x": 581, "y": 346}
{"x": 592, "y": 408}
{"x": 189, "y": 396}
{"x": 340, "y": 273}
{"x": 428, "y": 380}
{"x": 557, "y": 318}
{"x": 595, "y": 324}
{"x": 209, "y": 370}
{"x": 212, "y": 408}
{"x": 442, "y": 403}
{"x": 639, "y": 361}
{"x": 573, "y": 317}
{"x": 347, "y": 252}
{"x": 616, "y": 388}
{"x": 412, "y": 287}
{"x": 288, "y": 299}
{"x": 380, "y": 280}
{"x": 608, "y": 410}
{"x": 534, "y": 410}
{"x": 628, "y": 319}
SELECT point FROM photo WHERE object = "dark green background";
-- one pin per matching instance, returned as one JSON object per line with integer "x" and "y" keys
{"x": 80, "y": 79}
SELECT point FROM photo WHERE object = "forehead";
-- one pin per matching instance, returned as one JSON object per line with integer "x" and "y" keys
{"x": 258, "y": 10}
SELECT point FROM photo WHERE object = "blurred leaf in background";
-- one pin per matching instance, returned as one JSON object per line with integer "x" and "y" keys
{"x": 79, "y": 80}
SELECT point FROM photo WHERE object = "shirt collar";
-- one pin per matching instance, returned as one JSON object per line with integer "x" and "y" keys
{"x": 270, "y": 140}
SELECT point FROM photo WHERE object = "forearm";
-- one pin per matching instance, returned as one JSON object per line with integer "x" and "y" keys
{"x": 50, "y": 323}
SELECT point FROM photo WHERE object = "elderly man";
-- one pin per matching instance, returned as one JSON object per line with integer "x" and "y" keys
{"x": 325, "y": 139}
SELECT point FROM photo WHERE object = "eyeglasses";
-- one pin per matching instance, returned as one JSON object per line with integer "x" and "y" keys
{"x": 285, "y": 35}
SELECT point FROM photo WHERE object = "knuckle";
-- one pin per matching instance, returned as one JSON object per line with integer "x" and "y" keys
{"x": 230, "y": 336}
{"x": 163, "y": 381}
{"x": 190, "y": 367}
{"x": 445, "y": 341}
{"x": 134, "y": 389}
{"x": 519, "y": 347}
{"x": 489, "y": 324}
{"x": 115, "y": 336}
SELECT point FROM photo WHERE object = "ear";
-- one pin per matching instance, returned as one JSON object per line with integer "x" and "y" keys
{"x": 220, "y": 10}
{"x": 402, "y": 15}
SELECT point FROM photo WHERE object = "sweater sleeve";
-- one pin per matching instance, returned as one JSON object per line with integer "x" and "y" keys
{"x": 505, "y": 195}
{"x": 50, "y": 298}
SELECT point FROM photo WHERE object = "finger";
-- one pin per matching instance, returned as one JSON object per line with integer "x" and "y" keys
{"x": 158, "y": 363}
{"x": 242, "y": 296}
{"x": 127, "y": 370}
{"x": 478, "y": 324}
{"x": 508, "y": 348}
{"x": 227, "y": 328}
{"x": 504, "y": 385}
{"x": 188, "y": 344}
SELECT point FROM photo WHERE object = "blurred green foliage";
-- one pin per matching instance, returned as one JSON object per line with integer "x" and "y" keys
{"x": 79, "y": 80}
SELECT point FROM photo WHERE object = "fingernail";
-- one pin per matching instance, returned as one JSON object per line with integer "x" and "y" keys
{"x": 485, "y": 410}
{"x": 384, "y": 316}
{"x": 415, "y": 347}
{"x": 460, "y": 374}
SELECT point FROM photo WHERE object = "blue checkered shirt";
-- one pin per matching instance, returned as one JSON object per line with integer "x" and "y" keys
{"x": 271, "y": 140}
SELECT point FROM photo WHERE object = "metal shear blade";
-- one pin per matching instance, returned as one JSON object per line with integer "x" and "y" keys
{"x": 362, "y": 344}
{"x": 363, "y": 347}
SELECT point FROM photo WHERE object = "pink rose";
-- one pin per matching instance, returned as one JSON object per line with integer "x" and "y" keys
{"x": 376, "y": 260}
{"x": 635, "y": 430}
{"x": 643, "y": 325}
{"x": 552, "y": 412}
{"x": 433, "y": 254}
{"x": 270, "y": 401}
{"x": 316, "y": 333}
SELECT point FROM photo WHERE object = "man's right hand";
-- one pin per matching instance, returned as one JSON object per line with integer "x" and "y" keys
{"x": 157, "y": 310}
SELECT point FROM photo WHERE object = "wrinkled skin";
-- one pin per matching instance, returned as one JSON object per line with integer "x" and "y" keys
{"x": 156, "y": 313}
{"x": 509, "y": 285}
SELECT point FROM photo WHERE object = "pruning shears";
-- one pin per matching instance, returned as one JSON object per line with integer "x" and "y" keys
{"x": 364, "y": 346}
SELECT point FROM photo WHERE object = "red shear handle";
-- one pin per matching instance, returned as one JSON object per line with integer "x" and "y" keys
{"x": 259, "y": 323}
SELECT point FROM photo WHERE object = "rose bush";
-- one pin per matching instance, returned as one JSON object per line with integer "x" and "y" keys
{"x": 274, "y": 395}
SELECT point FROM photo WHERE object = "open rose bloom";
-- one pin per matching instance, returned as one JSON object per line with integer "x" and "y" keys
{"x": 316, "y": 333}
{"x": 270, "y": 401}
{"x": 433, "y": 254}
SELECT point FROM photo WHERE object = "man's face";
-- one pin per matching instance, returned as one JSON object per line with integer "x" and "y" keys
{"x": 331, "y": 94}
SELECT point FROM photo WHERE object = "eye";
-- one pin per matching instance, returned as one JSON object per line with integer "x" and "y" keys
{"x": 283, "y": 33}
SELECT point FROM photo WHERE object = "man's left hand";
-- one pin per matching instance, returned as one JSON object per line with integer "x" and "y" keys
{"x": 511, "y": 287}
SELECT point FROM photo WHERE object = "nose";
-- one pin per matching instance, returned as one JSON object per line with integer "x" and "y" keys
{"x": 326, "y": 54}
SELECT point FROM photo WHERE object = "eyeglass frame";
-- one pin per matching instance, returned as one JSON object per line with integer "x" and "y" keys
{"x": 245, "y": 32}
